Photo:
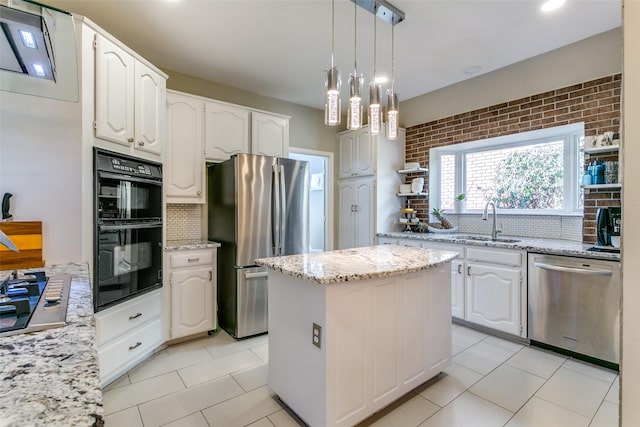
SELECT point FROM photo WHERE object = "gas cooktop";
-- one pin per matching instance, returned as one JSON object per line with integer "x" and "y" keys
{"x": 33, "y": 303}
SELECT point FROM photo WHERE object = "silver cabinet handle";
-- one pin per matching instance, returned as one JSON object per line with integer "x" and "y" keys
{"x": 199, "y": 192}
{"x": 210, "y": 275}
{"x": 141, "y": 143}
{"x": 135, "y": 316}
{"x": 468, "y": 271}
{"x": 133, "y": 347}
{"x": 193, "y": 259}
{"x": 129, "y": 139}
{"x": 459, "y": 268}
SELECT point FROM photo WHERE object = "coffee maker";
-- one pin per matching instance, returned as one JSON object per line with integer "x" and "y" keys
{"x": 608, "y": 221}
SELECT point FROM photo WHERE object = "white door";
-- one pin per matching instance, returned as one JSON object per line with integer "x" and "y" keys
{"x": 346, "y": 150}
{"x": 192, "y": 301}
{"x": 269, "y": 135}
{"x": 114, "y": 93}
{"x": 457, "y": 288}
{"x": 184, "y": 165}
{"x": 346, "y": 229}
{"x": 364, "y": 153}
{"x": 226, "y": 131}
{"x": 493, "y": 297}
{"x": 364, "y": 213}
{"x": 150, "y": 108}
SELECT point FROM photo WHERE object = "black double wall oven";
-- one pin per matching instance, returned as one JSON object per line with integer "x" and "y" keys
{"x": 128, "y": 228}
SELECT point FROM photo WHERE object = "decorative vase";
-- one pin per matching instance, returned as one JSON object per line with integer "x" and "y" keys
{"x": 458, "y": 206}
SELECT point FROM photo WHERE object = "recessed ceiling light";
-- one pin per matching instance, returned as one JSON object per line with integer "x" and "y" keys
{"x": 550, "y": 5}
{"x": 472, "y": 70}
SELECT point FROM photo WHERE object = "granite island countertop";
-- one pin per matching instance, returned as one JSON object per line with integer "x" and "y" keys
{"x": 52, "y": 377}
{"x": 529, "y": 244}
{"x": 347, "y": 265}
{"x": 182, "y": 245}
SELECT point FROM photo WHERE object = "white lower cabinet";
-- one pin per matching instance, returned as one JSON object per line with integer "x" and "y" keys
{"x": 192, "y": 291}
{"x": 128, "y": 333}
{"x": 488, "y": 285}
{"x": 356, "y": 221}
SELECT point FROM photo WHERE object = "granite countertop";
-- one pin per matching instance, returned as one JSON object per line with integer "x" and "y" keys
{"x": 358, "y": 263}
{"x": 529, "y": 244}
{"x": 51, "y": 377}
{"x": 181, "y": 245}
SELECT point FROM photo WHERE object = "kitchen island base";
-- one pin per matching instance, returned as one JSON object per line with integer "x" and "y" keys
{"x": 339, "y": 353}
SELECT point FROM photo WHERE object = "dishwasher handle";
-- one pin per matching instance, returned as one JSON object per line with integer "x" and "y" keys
{"x": 594, "y": 271}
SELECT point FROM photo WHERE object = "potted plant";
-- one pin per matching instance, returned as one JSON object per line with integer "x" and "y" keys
{"x": 458, "y": 203}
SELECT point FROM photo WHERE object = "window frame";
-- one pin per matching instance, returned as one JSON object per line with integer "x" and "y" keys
{"x": 571, "y": 135}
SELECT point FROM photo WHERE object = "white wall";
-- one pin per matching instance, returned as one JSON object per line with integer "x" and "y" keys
{"x": 630, "y": 145}
{"x": 40, "y": 164}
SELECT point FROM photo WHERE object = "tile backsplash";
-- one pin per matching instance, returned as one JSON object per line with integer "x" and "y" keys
{"x": 538, "y": 226}
{"x": 184, "y": 222}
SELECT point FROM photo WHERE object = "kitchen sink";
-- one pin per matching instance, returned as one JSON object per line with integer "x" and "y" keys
{"x": 487, "y": 239}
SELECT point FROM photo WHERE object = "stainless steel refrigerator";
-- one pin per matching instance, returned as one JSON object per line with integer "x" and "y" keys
{"x": 258, "y": 206}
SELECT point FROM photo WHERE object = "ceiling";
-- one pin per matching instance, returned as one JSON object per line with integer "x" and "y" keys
{"x": 280, "y": 48}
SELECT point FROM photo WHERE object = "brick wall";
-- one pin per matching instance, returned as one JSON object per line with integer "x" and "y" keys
{"x": 596, "y": 103}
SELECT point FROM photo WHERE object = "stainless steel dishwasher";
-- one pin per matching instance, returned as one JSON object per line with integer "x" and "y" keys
{"x": 574, "y": 304}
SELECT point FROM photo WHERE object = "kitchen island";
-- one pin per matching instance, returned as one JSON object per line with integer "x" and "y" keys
{"x": 351, "y": 331}
{"x": 51, "y": 377}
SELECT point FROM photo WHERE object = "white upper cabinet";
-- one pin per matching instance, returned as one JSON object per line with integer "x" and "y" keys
{"x": 184, "y": 172}
{"x": 356, "y": 153}
{"x": 130, "y": 101}
{"x": 269, "y": 134}
{"x": 149, "y": 109}
{"x": 226, "y": 131}
{"x": 114, "y": 92}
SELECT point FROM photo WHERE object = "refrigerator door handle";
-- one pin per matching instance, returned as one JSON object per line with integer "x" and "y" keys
{"x": 276, "y": 212}
{"x": 283, "y": 210}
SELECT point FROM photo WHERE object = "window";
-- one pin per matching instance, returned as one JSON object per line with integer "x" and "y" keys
{"x": 533, "y": 172}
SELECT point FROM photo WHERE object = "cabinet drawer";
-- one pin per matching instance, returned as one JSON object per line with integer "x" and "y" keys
{"x": 191, "y": 259}
{"x": 495, "y": 256}
{"x": 129, "y": 348}
{"x": 119, "y": 320}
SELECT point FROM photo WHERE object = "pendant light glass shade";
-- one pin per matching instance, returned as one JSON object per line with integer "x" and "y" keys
{"x": 332, "y": 83}
{"x": 355, "y": 110}
{"x": 375, "y": 108}
{"x": 333, "y": 103}
{"x": 392, "y": 115}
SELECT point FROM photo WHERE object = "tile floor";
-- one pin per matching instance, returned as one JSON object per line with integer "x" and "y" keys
{"x": 217, "y": 381}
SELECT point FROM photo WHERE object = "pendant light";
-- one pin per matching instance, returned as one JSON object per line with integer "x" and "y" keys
{"x": 355, "y": 109}
{"x": 333, "y": 103}
{"x": 392, "y": 100}
{"x": 375, "y": 89}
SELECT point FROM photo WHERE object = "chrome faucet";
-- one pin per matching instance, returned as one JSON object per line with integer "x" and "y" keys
{"x": 494, "y": 230}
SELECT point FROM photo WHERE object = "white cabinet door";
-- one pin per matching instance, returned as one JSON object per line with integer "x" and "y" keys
{"x": 346, "y": 231}
{"x": 346, "y": 150}
{"x": 269, "y": 135}
{"x": 226, "y": 131}
{"x": 184, "y": 163}
{"x": 356, "y": 154}
{"x": 150, "y": 108}
{"x": 356, "y": 222}
{"x": 364, "y": 156}
{"x": 493, "y": 297}
{"x": 192, "y": 301}
{"x": 457, "y": 288}
{"x": 114, "y": 93}
{"x": 364, "y": 218}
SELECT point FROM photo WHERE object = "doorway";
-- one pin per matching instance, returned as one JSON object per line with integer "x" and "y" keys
{"x": 320, "y": 197}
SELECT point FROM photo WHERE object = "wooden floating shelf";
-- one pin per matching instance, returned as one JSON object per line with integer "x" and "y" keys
{"x": 599, "y": 186}
{"x": 411, "y": 194}
{"x": 603, "y": 149}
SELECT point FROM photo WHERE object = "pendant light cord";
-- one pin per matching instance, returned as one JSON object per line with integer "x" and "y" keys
{"x": 355, "y": 38}
{"x": 374, "y": 45}
{"x": 333, "y": 18}
{"x": 392, "y": 58}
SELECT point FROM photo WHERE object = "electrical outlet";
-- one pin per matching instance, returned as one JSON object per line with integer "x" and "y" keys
{"x": 317, "y": 332}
